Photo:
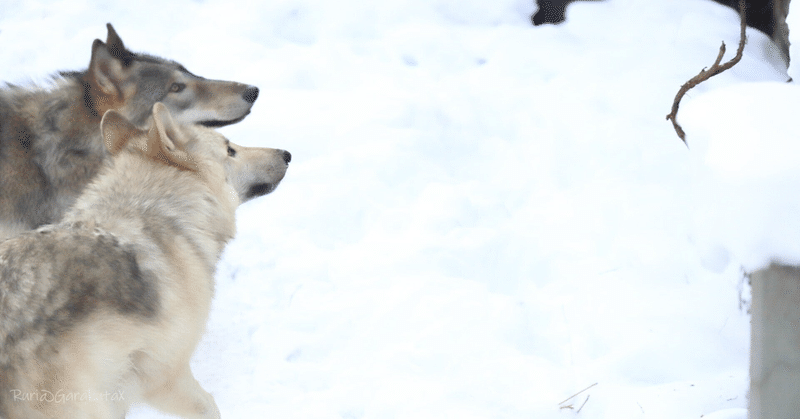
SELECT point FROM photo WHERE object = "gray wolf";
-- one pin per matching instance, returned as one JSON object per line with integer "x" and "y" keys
{"x": 106, "y": 307}
{"x": 50, "y": 145}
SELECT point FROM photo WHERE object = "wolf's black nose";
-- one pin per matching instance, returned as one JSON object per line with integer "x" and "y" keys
{"x": 250, "y": 94}
{"x": 287, "y": 157}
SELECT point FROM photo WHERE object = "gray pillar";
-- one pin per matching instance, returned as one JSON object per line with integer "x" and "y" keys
{"x": 775, "y": 343}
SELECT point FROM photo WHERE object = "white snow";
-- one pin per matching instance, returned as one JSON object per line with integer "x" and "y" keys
{"x": 481, "y": 218}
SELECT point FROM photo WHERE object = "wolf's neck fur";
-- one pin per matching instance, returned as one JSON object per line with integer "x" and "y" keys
{"x": 139, "y": 198}
{"x": 60, "y": 139}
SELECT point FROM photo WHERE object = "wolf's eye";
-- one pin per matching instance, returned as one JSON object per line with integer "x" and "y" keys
{"x": 231, "y": 152}
{"x": 177, "y": 87}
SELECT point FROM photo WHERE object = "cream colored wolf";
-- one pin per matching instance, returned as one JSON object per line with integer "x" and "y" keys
{"x": 106, "y": 308}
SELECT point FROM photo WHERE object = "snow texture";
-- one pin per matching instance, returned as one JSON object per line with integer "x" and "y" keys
{"x": 481, "y": 217}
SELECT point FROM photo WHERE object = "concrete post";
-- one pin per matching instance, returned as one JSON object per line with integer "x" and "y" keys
{"x": 775, "y": 343}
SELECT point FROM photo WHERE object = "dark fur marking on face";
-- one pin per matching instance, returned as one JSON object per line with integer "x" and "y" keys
{"x": 147, "y": 58}
{"x": 259, "y": 189}
{"x": 155, "y": 73}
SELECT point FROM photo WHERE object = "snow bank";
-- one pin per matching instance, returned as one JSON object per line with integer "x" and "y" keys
{"x": 481, "y": 217}
{"x": 745, "y": 143}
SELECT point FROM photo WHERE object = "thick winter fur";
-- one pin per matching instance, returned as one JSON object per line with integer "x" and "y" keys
{"x": 50, "y": 145}
{"x": 105, "y": 308}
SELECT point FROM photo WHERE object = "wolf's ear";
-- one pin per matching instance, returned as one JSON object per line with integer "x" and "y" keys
{"x": 163, "y": 137}
{"x": 116, "y": 48}
{"x": 165, "y": 124}
{"x": 105, "y": 71}
{"x": 117, "y": 131}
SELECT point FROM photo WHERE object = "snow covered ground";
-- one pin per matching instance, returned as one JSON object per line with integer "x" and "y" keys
{"x": 481, "y": 218}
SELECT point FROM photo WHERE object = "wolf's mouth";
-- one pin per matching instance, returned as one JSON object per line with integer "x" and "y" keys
{"x": 215, "y": 123}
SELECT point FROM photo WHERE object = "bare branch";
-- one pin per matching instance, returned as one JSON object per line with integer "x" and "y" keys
{"x": 706, "y": 74}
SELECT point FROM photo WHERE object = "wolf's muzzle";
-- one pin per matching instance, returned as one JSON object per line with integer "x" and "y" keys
{"x": 250, "y": 94}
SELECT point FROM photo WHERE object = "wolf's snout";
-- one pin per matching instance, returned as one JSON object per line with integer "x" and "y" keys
{"x": 250, "y": 94}
{"x": 287, "y": 156}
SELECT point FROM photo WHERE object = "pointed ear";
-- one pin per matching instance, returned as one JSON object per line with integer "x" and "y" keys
{"x": 112, "y": 37}
{"x": 116, "y": 48}
{"x": 117, "y": 131}
{"x": 165, "y": 124}
{"x": 105, "y": 71}
{"x": 164, "y": 140}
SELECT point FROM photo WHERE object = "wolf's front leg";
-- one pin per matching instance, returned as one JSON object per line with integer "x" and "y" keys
{"x": 180, "y": 394}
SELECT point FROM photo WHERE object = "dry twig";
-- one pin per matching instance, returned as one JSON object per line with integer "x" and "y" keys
{"x": 570, "y": 397}
{"x": 584, "y": 403}
{"x": 706, "y": 74}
